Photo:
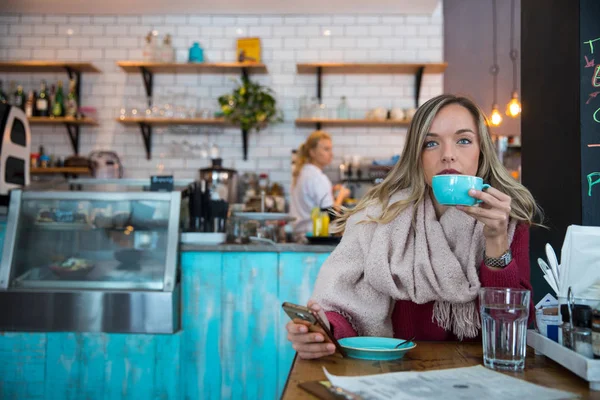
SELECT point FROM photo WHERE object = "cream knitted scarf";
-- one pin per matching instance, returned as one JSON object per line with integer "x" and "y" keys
{"x": 431, "y": 260}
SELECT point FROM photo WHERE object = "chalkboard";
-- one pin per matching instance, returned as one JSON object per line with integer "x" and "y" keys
{"x": 589, "y": 35}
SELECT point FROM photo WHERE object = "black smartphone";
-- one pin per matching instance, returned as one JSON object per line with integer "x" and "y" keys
{"x": 301, "y": 313}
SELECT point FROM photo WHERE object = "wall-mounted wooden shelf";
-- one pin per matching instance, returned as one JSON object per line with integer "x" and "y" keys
{"x": 46, "y": 66}
{"x": 71, "y": 124}
{"x": 148, "y": 69}
{"x": 61, "y": 170}
{"x": 371, "y": 68}
{"x": 146, "y": 125}
{"x": 416, "y": 69}
{"x": 74, "y": 70}
{"x": 60, "y": 121}
{"x": 351, "y": 122}
{"x": 156, "y": 67}
{"x": 171, "y": 121}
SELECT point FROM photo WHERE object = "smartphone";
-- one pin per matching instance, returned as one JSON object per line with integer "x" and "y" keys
{"x": 302, "y": 313}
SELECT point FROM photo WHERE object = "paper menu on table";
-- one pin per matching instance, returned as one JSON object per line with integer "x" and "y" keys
{"x": 466, "y": 383}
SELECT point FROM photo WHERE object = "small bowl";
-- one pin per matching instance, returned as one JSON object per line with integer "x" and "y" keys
{"x": 71, "y": 274}
{"x": 375, "y": 348}
{"x": 129, "y": 256}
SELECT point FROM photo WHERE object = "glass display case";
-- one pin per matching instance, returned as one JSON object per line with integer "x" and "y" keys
{"x": 110, "y": 257}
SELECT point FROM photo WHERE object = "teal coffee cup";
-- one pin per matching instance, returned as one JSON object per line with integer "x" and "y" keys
{"x": 453, "y": 190}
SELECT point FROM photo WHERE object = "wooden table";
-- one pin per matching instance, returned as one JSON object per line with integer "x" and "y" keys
{"x": 430, "y": 356}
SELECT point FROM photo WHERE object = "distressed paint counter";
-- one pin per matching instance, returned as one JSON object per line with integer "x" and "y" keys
{"x": 232, "y": 343}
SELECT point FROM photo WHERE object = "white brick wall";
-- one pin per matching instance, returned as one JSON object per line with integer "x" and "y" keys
{"x": 286, "y": 40}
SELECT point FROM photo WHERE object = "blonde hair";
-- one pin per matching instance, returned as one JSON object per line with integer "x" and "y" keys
{"x": 303, "y": 154}
{"x": 408, "y": 172}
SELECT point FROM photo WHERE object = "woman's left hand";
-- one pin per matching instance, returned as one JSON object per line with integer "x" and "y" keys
{"x": 493, "y": 212}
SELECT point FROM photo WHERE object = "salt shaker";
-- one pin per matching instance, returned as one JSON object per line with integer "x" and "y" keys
{"x": 582, "y": 333}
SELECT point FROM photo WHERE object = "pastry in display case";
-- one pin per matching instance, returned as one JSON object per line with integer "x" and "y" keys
{"x": 93, "y": 246}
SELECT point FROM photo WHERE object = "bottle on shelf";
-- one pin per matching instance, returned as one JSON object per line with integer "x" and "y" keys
{"x": 156, "y": 46}
{"x": 51, "y": 100}
{"x": 58, "y": 108}
{"x": 44, "y": 159}
{"x": 147, "y": 50}
{"x": 3, "y": 96}
{"x": 20, "y": 98}
{"x": 30, "y": 105}
{"x": 43, "y": 108}
{"x": 71, "y": 105}
{"x": 343, "y": 112}
{"x": 196, "y": 53}
{"x": 12, "y": 93}
{"x": 167, "y": 51}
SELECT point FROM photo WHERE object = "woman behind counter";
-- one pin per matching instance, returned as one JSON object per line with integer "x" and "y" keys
{"x": 310, "y": 186}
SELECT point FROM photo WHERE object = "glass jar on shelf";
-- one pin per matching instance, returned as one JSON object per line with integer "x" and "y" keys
{"x": 313, "y": 108}
{"x": 303, "y": 107}
{"x": 343, "y": 111}
{"x": 263, "y": 182}
{"x": 322, "y": 111}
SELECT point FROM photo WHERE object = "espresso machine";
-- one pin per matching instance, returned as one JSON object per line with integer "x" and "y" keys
{"x": 221, "y": 182}
{"x": 209, "y": 196}
{"x": 15, "y": 149}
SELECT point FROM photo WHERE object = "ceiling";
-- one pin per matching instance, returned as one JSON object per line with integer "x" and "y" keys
{"x": 120, "y": 7}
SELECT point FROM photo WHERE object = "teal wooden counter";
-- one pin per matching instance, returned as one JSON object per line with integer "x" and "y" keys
{"x": 232, "y": 343}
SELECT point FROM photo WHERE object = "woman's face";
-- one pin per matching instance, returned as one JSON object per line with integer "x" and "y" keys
{"x": 322, "y": 155}
{"x": 452, "y": 144}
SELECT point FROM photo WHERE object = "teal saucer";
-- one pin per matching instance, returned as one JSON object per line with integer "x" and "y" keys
{"x": 375, "y": 348}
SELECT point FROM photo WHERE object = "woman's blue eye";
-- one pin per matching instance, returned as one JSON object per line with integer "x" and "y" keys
{"x": 464, "y": 141}
{"x": 430, "y": 144}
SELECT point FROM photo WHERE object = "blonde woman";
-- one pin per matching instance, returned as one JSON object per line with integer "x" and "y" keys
{"x": 408, "y": 266}
{"x": 310, "y": 186}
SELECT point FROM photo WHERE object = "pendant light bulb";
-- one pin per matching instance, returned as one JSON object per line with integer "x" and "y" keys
{"x": 496, "y": 117}
{"x": 513, "y": 108}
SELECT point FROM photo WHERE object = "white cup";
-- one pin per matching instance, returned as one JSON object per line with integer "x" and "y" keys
{"x": 397, "y": 114}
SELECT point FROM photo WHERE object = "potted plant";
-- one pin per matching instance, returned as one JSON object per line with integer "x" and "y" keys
{"x": 250, "y": 106}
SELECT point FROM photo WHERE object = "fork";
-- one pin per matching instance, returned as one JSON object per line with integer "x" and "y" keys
{"x": 406, "y": 341}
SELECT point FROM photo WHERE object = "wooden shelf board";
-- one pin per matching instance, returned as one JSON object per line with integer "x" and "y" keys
{"x": 61, "y": 170}
{"x": 134, "y": 66}
{"x": 171, "y": 121}
{"x": 60, "y": 121}
{"x": 371, "y": 68}
{"x": 45, "y": 66}
{"x": 351, "y": 122}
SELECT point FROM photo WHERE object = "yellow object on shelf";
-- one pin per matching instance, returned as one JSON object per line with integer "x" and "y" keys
{"x": 248, "y": 50}
{"x": 320, "y": 222}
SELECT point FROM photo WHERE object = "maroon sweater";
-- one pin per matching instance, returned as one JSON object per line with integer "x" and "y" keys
{"x": 410, "y": 319}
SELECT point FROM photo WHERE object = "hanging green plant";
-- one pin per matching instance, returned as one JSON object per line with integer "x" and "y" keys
{"x": 250, "y": 106}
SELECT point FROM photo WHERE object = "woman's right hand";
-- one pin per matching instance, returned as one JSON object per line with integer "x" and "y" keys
{"x": 310, "y": 344}
{"x": 342, "y": 194}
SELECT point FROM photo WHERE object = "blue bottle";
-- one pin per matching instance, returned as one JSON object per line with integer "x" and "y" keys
{"x": 196, "y": 53}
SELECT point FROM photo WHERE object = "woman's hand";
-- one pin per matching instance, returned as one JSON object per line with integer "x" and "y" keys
{"x": 494, "y": 213}
{"x": 342, "y": 194}
{"x": 308, "y": 344}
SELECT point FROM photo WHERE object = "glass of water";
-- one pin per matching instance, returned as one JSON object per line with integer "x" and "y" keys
{"x": 504, "y": 314}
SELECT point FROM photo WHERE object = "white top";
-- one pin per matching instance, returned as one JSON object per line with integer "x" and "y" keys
{"x": 313, "y": 189}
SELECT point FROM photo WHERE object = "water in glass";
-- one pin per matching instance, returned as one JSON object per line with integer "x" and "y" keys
{"x": 504, "y": 328}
